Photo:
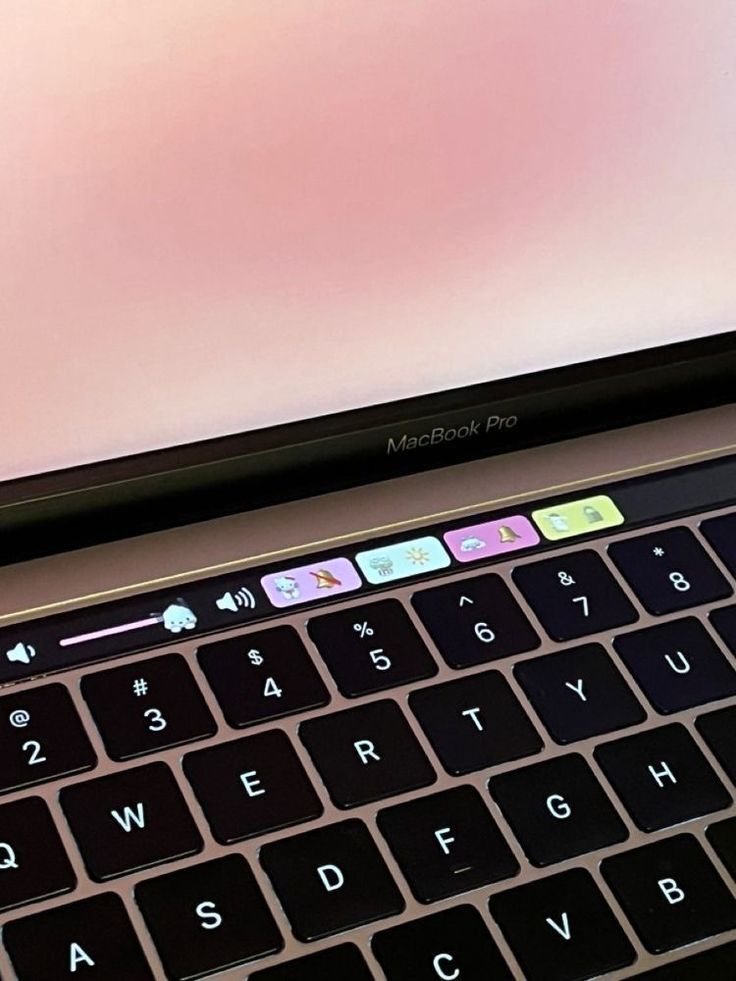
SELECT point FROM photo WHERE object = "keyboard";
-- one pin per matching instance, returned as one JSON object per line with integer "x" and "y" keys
{"x": 500, "y": 746}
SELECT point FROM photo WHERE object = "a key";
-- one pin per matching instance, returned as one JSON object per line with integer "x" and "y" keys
{"x": 91, "y": 939}
{"x": 144, "y": 707}
{"x": 42, "y": 738}
{"x": 33, "y": 863}
{"x": 561, "y": 928}
{"x": 207, "y": 918}
{"x": 371, "y": 648}
{"x": 447, "y": 843}
{"x": 721, "y": 533}
{"x": 130, "y": 820}
{"x": 715, "y": 964}
{"x": 263, "y": 675}
{"x": 719, "y": 731}
{"x": 671, "y": 893}
{"x": 557, "y": 809}
{"x": 334, "y": 964}
{"x": 574, "y": 595}
{"x": 579, "y": 693}
{"x": 366, "y": 753}
{"x": 251, "y": 785}
{"x": 452, "y": 944}
{"x": 722, "y": 836}
{"x": 331, "y": 879}
{"x": 724, "y": 620}
{"x": 677, "y": 664}
{"x": 475, "y": 620}
{"x": 662, "y": 777}
{"x": 669, "y": 570}
{"x": 475, "y": 722}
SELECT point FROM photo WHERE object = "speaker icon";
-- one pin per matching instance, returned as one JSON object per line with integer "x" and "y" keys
{"x": 21, "y": 652}
{"x": 242, "y": 599}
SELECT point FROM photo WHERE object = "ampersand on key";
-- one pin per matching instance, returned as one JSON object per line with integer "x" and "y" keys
{"x": 565, "y": 579}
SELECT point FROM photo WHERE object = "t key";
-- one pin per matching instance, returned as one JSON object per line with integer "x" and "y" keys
{"x": 371, "y": 648}
{"x": 130, "y": 820}
{"x": 669, "y": 570}
{"x": 42, "y": 737}
{"x": 574, "y": 595}
{"x": 143, "y": 707}
{"x": 475, "y": 620}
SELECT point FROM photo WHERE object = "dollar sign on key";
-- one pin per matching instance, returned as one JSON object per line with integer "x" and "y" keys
{"x": 255, "y": 657}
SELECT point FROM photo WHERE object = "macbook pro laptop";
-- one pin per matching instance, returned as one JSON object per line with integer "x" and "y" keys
{"x": 368, "y": 491}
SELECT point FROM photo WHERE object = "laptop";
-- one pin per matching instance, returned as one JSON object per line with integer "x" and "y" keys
{"x": 368, "y": 493}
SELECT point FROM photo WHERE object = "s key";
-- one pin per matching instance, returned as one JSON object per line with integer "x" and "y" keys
{"x": 42, "y": 738}
{"x": 574, "y": 595}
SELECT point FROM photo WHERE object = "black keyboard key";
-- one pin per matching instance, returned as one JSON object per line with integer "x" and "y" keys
{"x": 561, "y": 928}
{"x": 724, "y": 620}
{"x": 716, "y": 964}
{"x": 475, "y": 620}
{"x": 447, "y": 843}
{"x": 91, "y": 939}
{"x": 129, "y": 821}
{"x": 207, "y": 918}
{"x": 367, "y": 753}
{"x": 669, "y": 570}
{"x": 43, "y": 738}
{"x": 252, "y": 785}
{"x": 677, "y": 664}
{"x": 262, "y": 676}
{"x": 475, "y": 722}
{"x": 662, "y": 777}
{"x": 33, "y": 863}
{"x": 337, "y": 963}
{"x": 371, "y": 648}
{"x": 721, "y": 534}
{"x": 722, "y": 836}
{"x": 671, "y": 893}
{"x": 147, "y": 706}
{"x": 574, "y": 595}
{"x": 331, "y": 879}
{"x": 579, "y": 693}
{"x": 719, "y": 731}
{"x": 557, "y": 809}
{"x": 452, "y": 944}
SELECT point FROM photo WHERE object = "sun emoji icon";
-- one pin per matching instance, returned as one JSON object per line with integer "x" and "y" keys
{"x": 419, "y": 556}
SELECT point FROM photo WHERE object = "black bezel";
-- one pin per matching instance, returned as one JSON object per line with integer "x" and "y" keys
{"x": 84, "y": 505}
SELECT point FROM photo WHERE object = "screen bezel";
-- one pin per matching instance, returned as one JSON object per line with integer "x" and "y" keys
{"x": 85, "y": 505}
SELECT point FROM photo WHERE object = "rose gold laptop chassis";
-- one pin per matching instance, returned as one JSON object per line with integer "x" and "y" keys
{"x": 65, "y": 581}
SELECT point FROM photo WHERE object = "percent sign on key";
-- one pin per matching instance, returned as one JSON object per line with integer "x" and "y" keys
{"x": 363, "y": 629}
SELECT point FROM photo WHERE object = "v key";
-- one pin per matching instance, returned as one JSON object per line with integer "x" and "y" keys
{"x": 546, "y": 944}
{"x": 130, "y": 820}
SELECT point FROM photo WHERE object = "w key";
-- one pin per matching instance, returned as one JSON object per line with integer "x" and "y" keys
{"x": 130, "y": 821}
{"x": 42, "y": 738}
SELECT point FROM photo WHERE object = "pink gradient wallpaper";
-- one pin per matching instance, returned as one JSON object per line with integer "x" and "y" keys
{"x": 222, "y": 215}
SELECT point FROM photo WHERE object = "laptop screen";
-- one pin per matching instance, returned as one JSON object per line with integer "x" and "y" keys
{"x": 224, "y": 216}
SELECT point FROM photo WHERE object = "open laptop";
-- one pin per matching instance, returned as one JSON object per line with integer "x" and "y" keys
{"x": 368, "y": 492}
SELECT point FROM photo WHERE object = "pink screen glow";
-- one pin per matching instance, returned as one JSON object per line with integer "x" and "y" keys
{"x": 224, "y": 215}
